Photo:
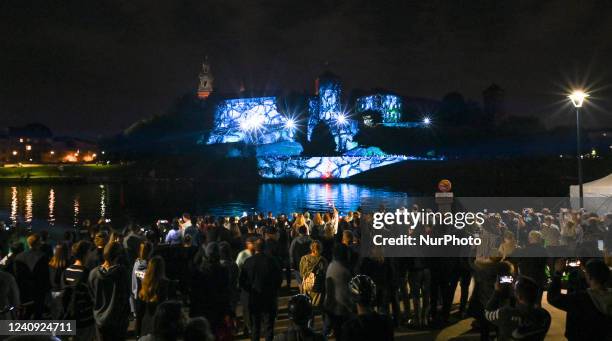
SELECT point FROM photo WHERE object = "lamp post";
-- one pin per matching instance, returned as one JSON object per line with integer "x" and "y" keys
{"x": 577, "y": 97}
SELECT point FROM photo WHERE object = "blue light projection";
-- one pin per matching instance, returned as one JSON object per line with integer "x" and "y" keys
{"x": 326, "y": 107}
{"x": 389, "y": 106}
{"x": 251, "y": 120}
{"x": 321, "y": 167}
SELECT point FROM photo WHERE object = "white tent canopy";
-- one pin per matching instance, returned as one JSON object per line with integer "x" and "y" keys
{"x": 597, "y": 195}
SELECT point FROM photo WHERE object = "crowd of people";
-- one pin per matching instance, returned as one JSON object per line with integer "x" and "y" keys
{"x": 220, "y": 278}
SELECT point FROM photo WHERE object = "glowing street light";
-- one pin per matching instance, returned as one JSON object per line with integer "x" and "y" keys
{"x": 28, "y": 147}
{"x": 15, "y": 152}
{"x": 578, "y": 97}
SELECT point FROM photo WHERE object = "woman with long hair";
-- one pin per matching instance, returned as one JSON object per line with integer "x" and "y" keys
{"x": 317, "y": 226}
{"x": 138, "y": 272}
{"x": 154, "y": 290}
{"x": 57, "y": 266}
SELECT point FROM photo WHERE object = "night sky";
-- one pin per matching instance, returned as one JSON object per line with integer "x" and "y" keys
{"x": 94, "y": 67}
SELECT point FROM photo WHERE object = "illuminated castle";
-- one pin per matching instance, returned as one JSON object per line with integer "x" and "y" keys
{"x": 258, "y": 121}
{"x": 206, "y": 81}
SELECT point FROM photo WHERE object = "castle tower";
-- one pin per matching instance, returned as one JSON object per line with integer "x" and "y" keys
{"x": 206, "y": 81}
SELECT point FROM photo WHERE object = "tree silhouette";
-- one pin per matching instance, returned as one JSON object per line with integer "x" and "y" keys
{"x": 322, "y": 141}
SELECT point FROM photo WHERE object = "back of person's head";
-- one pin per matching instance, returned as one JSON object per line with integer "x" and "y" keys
{"x": 316, "y": 247}
{"x": 526, "y": 290}
{"x": 212, "y": 251}
{"x": 259, "y": 245}
{"x": 186, "y": 216}
{"x": 60, "y": 257}
{"x": 347, "y": 236}
{"x": 34, "y": 241}
{"x": 17, "y": 247}
{"x": 340, "y": 253}
{"x": 168, "y": 321}
{"x": 535, "y": 237}
{"x": 112, "y": 252}
{"x": 303, "y": 230}
{"x": 144, "y": 250}
{"x": 80, "y": 249}
{"x": 299, "y": 309}
{"x": 101, "y": 239}
{"x": 156, "y": 272}
{"x": 198, "y": 329}
{"x": 362, "y": 290}
{"x": 225, "y": 251}
{"x": 597, "y": 271}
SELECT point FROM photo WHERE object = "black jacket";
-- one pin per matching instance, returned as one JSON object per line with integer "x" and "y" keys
{"x": 531, "y": 262}
{"x": 517, "y": 322}
{"x": 372, "y": 326}
{"x": 32, "y": 275}
{"x": 110, "y": 290}
{"x": 261, "y": 278}
{"x": 589, "y": 314}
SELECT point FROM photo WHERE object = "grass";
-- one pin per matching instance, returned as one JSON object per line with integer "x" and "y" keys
{"x": 53, "y": 171}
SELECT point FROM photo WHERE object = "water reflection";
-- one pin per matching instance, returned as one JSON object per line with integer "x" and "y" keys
{"x": 102, "y": 201}
{"x": 68, "y": 205}
{"x": 51, "y": 219}
{"x": 29, "y": 204}
{"x": 76, "y": 207}
{"x": 14, "y": 205}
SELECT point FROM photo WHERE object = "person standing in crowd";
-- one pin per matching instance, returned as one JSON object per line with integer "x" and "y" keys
{"x": 9, "y": 295}
{"x": 8, "y": 262}
{"x": 198, "y": 329}
{"x": 243, "y": 255}
{"x": 508, "y": 245}
{"x": 337, "y": 302}
{"x": 77, "y": 304}
{"x": 131, "y": 243}
{"x": 367, "y": 324}
{"x": 313, "y": 268}
{"x": 109, "y": 286}
{"x": 32, "y": 275}
{"x": 211, "y": 295}
{"x": 261, "y": 278}
{"x": 168, "y": 322}
{"x": 226, "y": 261}
{"x": 174, "y": 236}
{"x": 524, "y": 320}
{"x": 145, "y": 250}
{"x": 154, "y": 290}
{"x": 317, "y": 226}
{"x": 300, "y": 246}
{"x": 532, "y": 260}
{"x": 299, "y": 311}
{"x": 57, "y": 266}
{"x": 589, "y": 312}
{"x": 95, "y": 256}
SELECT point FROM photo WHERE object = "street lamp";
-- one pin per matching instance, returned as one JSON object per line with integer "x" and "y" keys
{"x": 577, "y": 97}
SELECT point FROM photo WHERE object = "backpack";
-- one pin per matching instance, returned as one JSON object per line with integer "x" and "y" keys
{"x": 315, "y": 281}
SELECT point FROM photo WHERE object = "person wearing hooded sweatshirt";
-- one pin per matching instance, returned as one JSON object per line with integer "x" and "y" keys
{"x": 110, "y": 289}
{"x": 523, "y": 320}
{"x": 211, "y": 297}
{"x": 589, "y": 312}
{"x": 32, "y": 275}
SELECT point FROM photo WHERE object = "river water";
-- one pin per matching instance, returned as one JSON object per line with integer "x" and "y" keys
{"x": 66, "y": 205}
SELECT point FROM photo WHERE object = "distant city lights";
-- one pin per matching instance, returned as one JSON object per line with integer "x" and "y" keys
{"x": 28, "y": 147}
{"x": 15, "y": 152}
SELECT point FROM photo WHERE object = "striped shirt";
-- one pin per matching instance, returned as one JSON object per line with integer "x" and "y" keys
{"x": 75, "y": 283}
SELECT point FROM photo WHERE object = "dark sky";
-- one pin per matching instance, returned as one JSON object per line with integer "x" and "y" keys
{"x": 93, "y": 67}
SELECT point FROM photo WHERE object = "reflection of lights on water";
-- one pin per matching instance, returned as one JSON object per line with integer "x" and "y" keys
{"x": 14, "y": 204}
{"x": 102, "y": 201}
{"x": 28, "y": 206}
{"x": 51, "y": 207}
{"x": 77, "y": 208}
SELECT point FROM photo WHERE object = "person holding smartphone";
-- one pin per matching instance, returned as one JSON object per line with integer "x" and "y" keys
{"x": 524, "y": 320}
{"x": 589, "y": 312}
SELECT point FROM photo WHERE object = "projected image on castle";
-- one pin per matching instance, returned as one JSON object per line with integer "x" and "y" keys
{"x": 389, "y": 106}
{"x": 251, "y": 120}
